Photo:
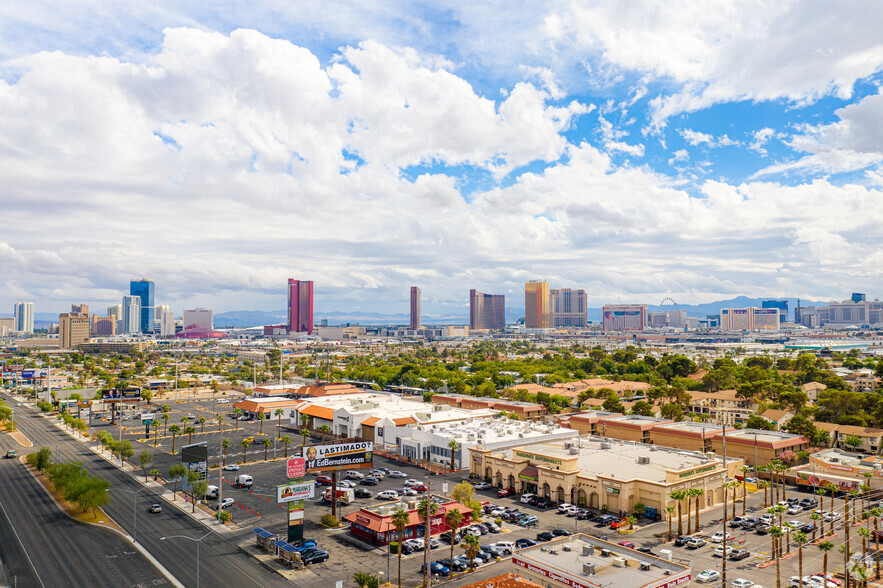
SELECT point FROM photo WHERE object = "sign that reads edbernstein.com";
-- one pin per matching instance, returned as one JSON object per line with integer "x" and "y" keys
{"x": 342, "y": 456}
{"x": 290, "y": 492}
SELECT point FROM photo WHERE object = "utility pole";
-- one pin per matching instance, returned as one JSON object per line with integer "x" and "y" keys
{"x": 428, "y": 529}
{"x": 724, "y": 566}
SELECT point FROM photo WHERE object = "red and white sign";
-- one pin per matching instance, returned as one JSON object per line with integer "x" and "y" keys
{"x": 297, "y": 467}
{"x": 573, "y": 583}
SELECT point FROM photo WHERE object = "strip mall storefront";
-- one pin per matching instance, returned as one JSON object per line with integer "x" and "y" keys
{"x": 375, "y": 523}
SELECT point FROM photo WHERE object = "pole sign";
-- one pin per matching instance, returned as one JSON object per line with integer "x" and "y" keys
{"x": 289, "y": 492}
{"x": 341, "y": 456}
{"x": 148, "y": 417}
{"x": 296, "y": 467}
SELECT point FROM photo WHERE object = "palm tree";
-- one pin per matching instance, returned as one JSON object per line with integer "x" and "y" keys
{"x": 688, "y": 494}
{"x": 865, "y": 534}
{"x": 866, "y": 486}
{"x": 175, "y": 429}
{"x": 776, "y": 534}
{"x": 815, "y": 518}
{"x": 285, "y": 441}
{"x": 324, "y": 429}
{"x": 189, "y": 431}
{"x": 362, "y": 579}
{"x": 426, "y": 510}
{"x": 185, "y": 419}
{"x": 860, "y": 573}
{"x": 305, "y": 434}
{"x": 267, "y": 443}
{"x": 454, "y": 447}
{"x": 472, "y": 547}
{"x": 400, "y": 520}
{"x": 220, "y": 419}
{"x": 237, "y": 412}
{"x": 165, "y": 421}
{"x": 847, "y": 496}
{"x": 245, "y": 444}
{"x": 454, "y": 518}
{"x": 669, "y": 510}
{"x": 279, "y": 412}
{"x": 800, "y": 539}
{"x": 825, "y": 547}
{"x": 698, "y": 493}
{"x": 262, "y": 417}
{"x": 679, "y": 496}
{"x": 201, "y": 421}
{"x": 745, "y": 471}
{"x": 733, "y": 485}
{"x": 783, "y": 467}
{"x": 225, "y": 444}
{"x": 875, "y": 512}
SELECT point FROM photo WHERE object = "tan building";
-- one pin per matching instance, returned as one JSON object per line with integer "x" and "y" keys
{"x": 723, "y": 407}
{"x": 104, "y": 325}
{"x": 630, "y": 427}
{"x": 74, "y": 328}
{"x": 871, "y": 439}
{"x": 847, "y": 471}
{"x": 689, "y": 435}
{"x": 536, "y": 305}
{"x": 758, "y": 447}
{"x": 587, "y": 422}
{"x": 599, "y": 473}
{"x": 524, "y": 410}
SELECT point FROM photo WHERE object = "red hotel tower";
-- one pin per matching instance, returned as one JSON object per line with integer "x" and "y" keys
{"x": 300, "y": 306}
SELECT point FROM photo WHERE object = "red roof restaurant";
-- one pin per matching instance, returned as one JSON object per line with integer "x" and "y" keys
{"x": 374, "y": 523}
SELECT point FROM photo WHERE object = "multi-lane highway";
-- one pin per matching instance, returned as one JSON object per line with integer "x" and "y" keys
{"x": 222, "y": 562}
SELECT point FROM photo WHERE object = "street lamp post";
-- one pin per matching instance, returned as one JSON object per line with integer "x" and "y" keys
{"x": 134, "y": 510}
{"x": 198, "y": 541}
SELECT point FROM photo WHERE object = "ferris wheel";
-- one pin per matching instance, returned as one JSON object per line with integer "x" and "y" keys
{"x": 669, "y": 300}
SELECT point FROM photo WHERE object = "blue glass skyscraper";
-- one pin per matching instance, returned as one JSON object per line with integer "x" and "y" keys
{"x": 144, "y": 290}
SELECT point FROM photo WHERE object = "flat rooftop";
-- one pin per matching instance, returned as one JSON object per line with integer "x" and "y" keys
{"x": 761, "y": 436}
{"x": 694, "y": 427}
{"x": 500, "y": 429}
{"x": 567, "y": 556}
{"x": 620, "y": 459}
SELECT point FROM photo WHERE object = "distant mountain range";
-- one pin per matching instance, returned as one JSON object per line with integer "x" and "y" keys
{"x": 255, "y": 318}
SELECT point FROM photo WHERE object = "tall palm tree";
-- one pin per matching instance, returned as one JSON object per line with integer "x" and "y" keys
{"x": 225, "y": 444}
{"x": 865, "y": 487}
{"x": 698, "y": 493}
{"x": 678, "y": 496}
{"x": 324, "y": 429}
{"x": 688, "y": 494}
{"x": 165, "y": 422}
{"x": 875, "y": 512}
{"x": 745, "y": 471}
{"x": 454, "y": 518}
{"x": 220, "y": 419}
{"x": 776, "y": 534}
{"x": 763, "y": 485}
{"x": 865, "y": 534}
{"x": 237, "y": 412}
{"x": 185, "y": 419}
{"x": 400, "y": 520}
{"x": 800, "y": 539}
{"x": 669, "y": 511}
{"x": 847, "y": 498}
{"x": 783, "y": 467}
{"x": 279, "y": 412}
{"x": 175, "y": 429}
{"x": 262, "y": 417}
{"x": 832, "y": 489}
{"x": 245, "y": 444}
{"x": 816, "y": 517}
{"x": 825, "y": 547}
{"x": 427, "y": 509}
{"x": 306, "y": 435}
{"x": 189, "y": 431}
{"x": 733, "y": 485}
{"x": 267, "y": 443}
{"x": 201, "y": 421}
{"x": 454, "y": 447}
{"x": 285, "y": 441}
{"x": 472, "y": 548}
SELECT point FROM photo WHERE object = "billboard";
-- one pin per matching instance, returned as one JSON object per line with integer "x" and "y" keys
{"x": 30, "y": 374}
{"x": 194, "y": 453}
{"x": 117, "y": 394}
{"x": 341, "y": 456}
{"x": 299, "y": 491}
{"x": 296, "y": 467}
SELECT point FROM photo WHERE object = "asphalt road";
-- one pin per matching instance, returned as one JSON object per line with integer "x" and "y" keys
{"x": 221, "y": 562}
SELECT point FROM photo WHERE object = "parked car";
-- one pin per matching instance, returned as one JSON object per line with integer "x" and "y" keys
{"x": 561, "y": 532}
{"x": 448, "y": 537}
{"x": 524, "y": 542}
{"x": 719, "y": 551}
{"x": 473, "y": 531}
{"x": 369, "y": 481}
{"x": 546, "y": 503}
{"x": 483, "y": 486}
{"x": 354, "y": 475}
{"x": 154, "y": 508}
{"x": 314, "y": 556}
{"x": 719, "y": 536}
{"x": 232, "y": 467}
{"x": 627, "y": 544}
{"x": 227, "y": 502}
{"x": 708, "y": 576}
{"x": 388, "y": 495}
{"x": 796, "y": 509}
{"x": 682, "y": 541}
{"x": 397, "y": 474}
{"x": 646, "y": 550}
{"x": 695, "y": 543}
{"x": 739, "y": 554}
{"x": 762, "y": 528}
{"x": 742, "y": 583}
{"x": 419, "y": 488}
{"x": 737, "y": 521}
{"x": 456, "y": 564}
{"x": 562, "y": 508}
{"x": 379, "y": 474}
{"x": 525, "y": 498}
{"x": 619, "y": 523}
{"x": 571, "y": 512}
{"x": 407, "y": 492}
{"x": 415, "y": 544}
{"x": 748, "y": 524}
{"x": 545, "y": 536}
{"x": 11, "y": 453}
{"x": 493, "y": 551}
{"x": 412, "y": 482}
{"x": 223, "y": 401}
{"x": 507, "y": 547}
{"x": 346, "y": 484}
{"x": 436, "y": 569}
{"x": 362, "y": 493}
{"x": 434, "y": 543}
{"x": 323, "y": 480}
{"x": 528, "y": 521}
{"x": 505, "y": 492}
{"x": 808, "y": 503}
{"x": 605, "y": 520}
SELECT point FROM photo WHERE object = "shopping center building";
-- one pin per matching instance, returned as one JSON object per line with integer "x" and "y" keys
{"x": 847, "y": 471}
{"x": 603, "y": 473}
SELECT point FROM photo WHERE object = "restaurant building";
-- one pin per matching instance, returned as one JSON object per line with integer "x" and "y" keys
{"x": 846, "y": 470}
{"x": 374, "y": 523}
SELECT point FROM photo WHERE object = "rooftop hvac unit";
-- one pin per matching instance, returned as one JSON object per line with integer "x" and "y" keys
{"x": 574, "y": 451}
{"x": 834, "y": 459}
{"x": 568, "y": 445}
{"x": 605, "y": 445}
{"x": 878, "y": 466}
{"x": 605, "y": 553}
{"x": 521, "y": 435}
{"x": 654, "y": 448}
{"x": 588, "y": 550}
{"x": 588, "y": 569}
{"x": 665, "y": 554}
{"x": 711, "y": 455}
{"x": 412, "y": 504}
{"x": 566, "y": 548}
{"x": 644, "y": 566}
{"x": 643, "y": 459}
{"x": 620, "y": 562}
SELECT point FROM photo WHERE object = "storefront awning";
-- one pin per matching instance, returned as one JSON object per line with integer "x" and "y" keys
{"x": 529, "y": 473}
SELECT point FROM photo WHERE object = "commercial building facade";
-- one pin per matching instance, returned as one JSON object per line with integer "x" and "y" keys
{"x": 374, "y": 523}
{"x": 131, "y": 315}
{"x": 104, "y": 325}
{"x": 74, "y": 328}
{"x": 568, "y": 308}
{"x": 625, "y": 317}
{"x": 536, "y": 305}
{"x": 144, "y": 290}
{"x": 201, "y": 317}
{"x": 486, "y": 311}
{"x": 749, "y": 319}
{"x": 300, "y": 306}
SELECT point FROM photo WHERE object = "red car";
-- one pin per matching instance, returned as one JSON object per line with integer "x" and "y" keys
{"x": 323, "y": 480}
{"x": 419, "y": 488}
{"x": 505, "y": 492}
{"x": 618, "y": 524}
{"x": 628, "y": 544}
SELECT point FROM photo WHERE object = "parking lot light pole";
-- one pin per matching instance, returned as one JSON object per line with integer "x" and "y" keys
{"x": 198, "y": 541}
{"x": 134, "y": 510}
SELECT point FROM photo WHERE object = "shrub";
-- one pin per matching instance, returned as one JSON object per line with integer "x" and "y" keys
{"x": 329, "y": 520}
{"x": 224, "y": 516}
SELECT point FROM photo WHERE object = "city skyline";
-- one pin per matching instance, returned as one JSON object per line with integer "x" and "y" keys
{"x": 659, "y": 151}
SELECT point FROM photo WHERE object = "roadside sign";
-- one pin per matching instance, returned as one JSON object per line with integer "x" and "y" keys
{"x": 340, "y": 456}
{"x": 445, "y": 488}
{"x": 296, "y": 467}
{"x": 148, "y": 416}
{"x": 289, "y": 492}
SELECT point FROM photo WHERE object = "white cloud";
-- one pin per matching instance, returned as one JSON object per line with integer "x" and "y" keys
{"x": 761, "y": 138}
{"x": 695, "y": 138}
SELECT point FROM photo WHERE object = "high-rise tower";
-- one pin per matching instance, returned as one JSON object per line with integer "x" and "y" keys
{"x": 415, "y": 308}
{"x": 300, "y": 306}
{"x": 24, "y": 317}
{"x": 143, "y": 289}
{"x": 536, "y": 305}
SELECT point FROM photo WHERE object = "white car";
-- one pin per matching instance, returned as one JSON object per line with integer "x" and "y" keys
{"x": 190, "y": 415}
{"x": 497, "y": 511}
{"x": 719, "y": 536}
{"x": 483, "y": 486}
{"x": 223, "y": 401}
{"x": 347, "y": 483}
{"x": 472, "y": 531}
{"x": 397, "y": 474}
{"x": 525, "y": 498}
{"x": 388, "y": 495}
{"x": 226, "y": 502}
{"x": 412, "y": 482}
{"x": 719, "y": 550}
{"x": 742, "y": 583}
{"x": 796, "y": 509}
{"x": 231, "y": 467}
{"x": 708, "y": 576}
{"x": 409, "y": 492}
{"x": 415, "y": 543}
{"x": 831, "y": 516}
{"x": 354, "y": 475}
{"x": 562, "y": 508}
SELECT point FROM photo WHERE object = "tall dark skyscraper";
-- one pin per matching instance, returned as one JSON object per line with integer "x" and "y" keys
{"x": 486, "y": 311}
{"x": 415, "y": 308}
{"x": 143, "y": 289}
{"x": 300, "y": 306}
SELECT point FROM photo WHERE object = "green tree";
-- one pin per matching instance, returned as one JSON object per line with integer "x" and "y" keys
{"x": 165, "y": 421}
{"x": 401, "y": 520}
{"x": 324, "y": 429}
{"x": 853, "y": 442}
{"x": 245, "y": 444}
{"x": 825, "y": 547}
{"x": 144, "y": 458}
{"x": 146, "y": 395}
{"x": 89, "y": 493}
{"x": 305, "y": 433}
{"x": 225, "y": 444}
{"x": 454, "y": 447}
{"x": 679, "y": 496}
{"x": 176, "y": 472}
{"x": 267, "y": 443}
{"x": 672, "y": 411}
{"x": 463, "y": 493}
{"x": 201, "y": 421}
{"x": 198, "y": 489}
{"x": 42, "y": 459}
{"x": 472, "y": 549}
{"x": 124, "y": 450}
{"x": 279, "y": 412}
{"x": 643, "y": 408}
{"x": 454, "y": 518}
{"x": 758, "y": 422}
{"x": 188, "y": 430}
{"x": 286, "y": 440}
{"x": 175, "y": 429}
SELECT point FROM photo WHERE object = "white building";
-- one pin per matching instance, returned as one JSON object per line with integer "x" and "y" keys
{"x": 201, "y": 317}
{"x": 164, "y": 323}
{"x": 749, "y": 319}
{"x": 131, "y": 315}
{"x": 23, "y": 313}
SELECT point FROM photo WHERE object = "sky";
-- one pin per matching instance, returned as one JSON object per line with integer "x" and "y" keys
{"x": 639, "y": 150}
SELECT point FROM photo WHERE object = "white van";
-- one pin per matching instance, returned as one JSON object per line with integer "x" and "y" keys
{"x": 507, "y": 547}
{"x": 211, "y": 492}
{"x": 243, "y": 481}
